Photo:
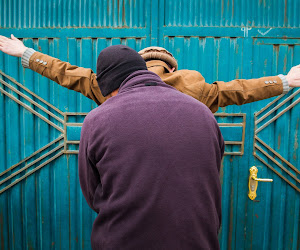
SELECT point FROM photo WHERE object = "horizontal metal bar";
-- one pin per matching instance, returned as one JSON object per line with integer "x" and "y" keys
{"x": 33, "y": 154}
{"x": 225, "y": 153}
{"x": 31, "y": 172}
{"x": 74, "y": 124}
{"x": 72, "y": 142}
{"x": 276, "y": 162}
{"x": 233, "y": 142}
{"x": 243, "y": 135}
{"x": 278, "y": 155}
{"x": 279, "y": 41}
{"x": 30, "y": 92}
{"x": 278, "y": 115}
{"x": 233, "y": 153}
{"x": 31, "y": 110}
{"x": 76, "y": 113}
{"x": 98, "y": 32}
{"x": 30, "y": 164}
{"x": 230, "y": 114}
{"x": 31, "y": 101}
{"x": 72, "y": 152}
{"x": 238, "y": 31}
{"x": 278, "y": 106}
{"x": 230, "y": 124}
{"x": 276, "y": 172}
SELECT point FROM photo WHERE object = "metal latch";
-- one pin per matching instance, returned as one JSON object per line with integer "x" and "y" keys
{"x": 253, "y": 182}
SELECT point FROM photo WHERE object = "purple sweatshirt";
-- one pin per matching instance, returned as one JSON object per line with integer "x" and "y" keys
{"x": 149, "y": 162}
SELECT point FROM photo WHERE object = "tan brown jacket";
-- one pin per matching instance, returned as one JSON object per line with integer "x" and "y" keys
{"x": 190, "y": 82}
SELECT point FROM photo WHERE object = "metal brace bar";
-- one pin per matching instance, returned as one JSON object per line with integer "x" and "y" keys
{"x": 232, "y": 153}
{"x": 75, "y": 113}
{"x": 72, "y": 152}
{"x": 278, "y": 155}
{"x": 72, "y": 142}
{"x": 233, "y": 143}
{"x": 269, "y": 104}
{"x": 31, "y": 101}
{"x": 31, "y": 110}
{"x": 75, "y": 124}
{"x": 243, "y": 125}
{"x": 276, "y": 172}
{"x": 30, "y": 92}
{"x": 230, "y": 124}
{"x": 31, "y": 163}
{"x": 277, "y": 116}
{"x": 32, "y": 171}
{"x": 33, "y": 154}
{"x": 278, "y": 106}
{"x": 277, "y": 163}
{"x": 229, "y": 114}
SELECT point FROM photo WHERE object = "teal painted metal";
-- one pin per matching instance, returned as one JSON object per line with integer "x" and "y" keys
{"x": 224, "y": 40}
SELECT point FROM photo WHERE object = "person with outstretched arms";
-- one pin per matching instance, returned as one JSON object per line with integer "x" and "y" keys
{"x": 161, "y": 62}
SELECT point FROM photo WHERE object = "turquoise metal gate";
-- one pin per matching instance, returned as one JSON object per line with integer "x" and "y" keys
{"x": 41, "y": 205}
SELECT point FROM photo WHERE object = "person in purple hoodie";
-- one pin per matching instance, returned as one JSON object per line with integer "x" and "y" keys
{"x": 149, "y": 161}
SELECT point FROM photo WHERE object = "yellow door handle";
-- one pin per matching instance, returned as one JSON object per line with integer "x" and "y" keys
{"x": 253, "y": 182}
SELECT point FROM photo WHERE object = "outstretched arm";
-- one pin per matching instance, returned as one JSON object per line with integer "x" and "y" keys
{"x": 245, "y": 91}
{"x": 80, "y": 79}
{"x": 241, "y": 91}
{"x": 222, "y": 94}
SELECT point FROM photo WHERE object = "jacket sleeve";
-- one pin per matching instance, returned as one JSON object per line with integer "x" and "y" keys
{"x": 89, "y": 177}
{"x": 239, "y": 92}
{"x": 80, "y": 79}
{"x": 219, "y": 94}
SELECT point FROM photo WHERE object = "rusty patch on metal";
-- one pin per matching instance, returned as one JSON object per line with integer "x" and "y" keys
{"x": 276, "y": 48}
{"x": 285, "y": 12}
{"x": 221, "y": 174}
{"x": 123, "y": 14}
{"x": 237, "y": 71}
{"x": 30, "y": 246}
{"x": 284, "y": 63}
{"x": 231, "y": 217}
{"x": 1, "y": 225}
{"x": 296, "y": 144}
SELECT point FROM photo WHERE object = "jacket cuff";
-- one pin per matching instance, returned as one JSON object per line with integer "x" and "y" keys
{"x": 285, "y": 84}
{"x": 26, "y": 56}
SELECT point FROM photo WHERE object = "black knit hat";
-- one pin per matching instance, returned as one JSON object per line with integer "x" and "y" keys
{"x": 114, "y": 65}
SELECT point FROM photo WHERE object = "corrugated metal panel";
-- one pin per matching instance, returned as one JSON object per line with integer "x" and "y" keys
{"x": 278, "y": 212}
{"x": 46, "y": 209}
{"x": 255, "y": 230}
{"x": 229, "y": 13}
{"x": 48, "y": 206}
{"x": 247, "y": 224}
{"x": 208, "y": 55}
{"x": 72, "y": 13}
